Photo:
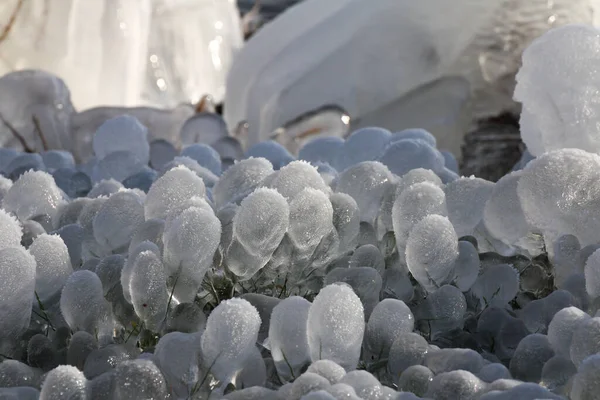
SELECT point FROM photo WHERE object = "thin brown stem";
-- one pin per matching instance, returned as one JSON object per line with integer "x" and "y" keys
{"x": 16, "y": 134}
{"x": 11, "y": 21}
{"x": 40, "y": 133}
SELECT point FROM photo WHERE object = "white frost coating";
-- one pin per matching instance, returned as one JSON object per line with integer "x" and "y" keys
{"x": 297, "y": 175}
{"x": 230, "y": 335}
{"x": 336, "y": 326}
{"x": 65, "y": 382}
{"x": 34, "y": 193}
{"x": 431, "y": 250}
{"x": 10, "y": 230}
{"x": 240, "y": 180}
{"x": 17, "y": 274}
{"x": 190, "y": 242}
{"x": 311, "y": 218}
{"x": 118, "y": 219}
{"x": 148, "y": 289}
{"x": 261, "y": 221}
{"x": 560, "y": 192}
{"x": 171, "y": 190}
{"x": 557, "y": 87}
{"x": 53, "y": 265}
{"x": 592, "y": 275}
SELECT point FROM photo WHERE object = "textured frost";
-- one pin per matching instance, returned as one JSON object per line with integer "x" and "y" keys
{"x": 53, "y": 264}
{"x": 336, "y": 326}
{"x": 34, "y": 193}
{"x": 230, "y": 335}
{"x": 431, "y": 250}
{"x": 148, "y": 289}
{"x": 466, "y": 199}
{"x": 240, "y": 180}
{"x": 117, "y": 220}
{"x": 65, "y": 382}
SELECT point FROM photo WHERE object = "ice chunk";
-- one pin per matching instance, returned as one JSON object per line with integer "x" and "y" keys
{"x": 444, "y": 310}
{"x": 420, "y": 134}
{"x": 455, "y": 385}
{"x": 562, "y": 327}
{"x": 466, "y": 199}
{"x": 240, "y": 180}
{"x": 592, "y": 275}
{"x": 365, "y": 281}
{"x": 178, "y": 356}
{"x": 73, "y": 183}
{"x": 34, "y": 193}
{"x": 586, "y": 382}
{"x": 230, "y": 336}
{"x": 560, "y": 117}
{"x": 65, "y": 381}
{"x": 466, "y": 267}
{"x": 497, "y": 285}
{"x": 17, "y": 274}
{"x": 253, "y": 372}
{"x": 139, "y": 379}
{"x": 503, "y": 215}
{"x": 407, "y": 154}
{"x": 389, "y": 319}
{"x": 446, "y": 360}
{"x": 204, "y": 155}
{"x": 325, "y": 149}
{"x": 557, "y": 372}
{"x": 412, "y": 205}
{"x": 161, "y": 152}
{"x": 119, "y": 165}
{"x": 415, "y": 379}
{"x": 288, "y": 338}
{"x": 11, "y": 230}
{"x": 171, "y": 190}
{"x": 328, "y": 370}
{"x": 80, "y": 347}
{"x": 122, "y": 134}
{"x": 294, "y": 177}
{"x": 367, "y": 144}
{"x": 189, "y": 250}
{"x": 105, "y": 187}
{"x": 57, "y": 159}
{"x": 208, "y": 177}
{"x": 53, "y": 265}
{"x": 367, "y": 183}
{"x": 272, "y": 151}
{"x": 83, "y": 306}
{"x": 259, "y": 226}
{"x": 346, "y": 220}
{"x": 555, "y": 193}
{"x": 431, "y": 251}
{"x": 584, "y": 342}
{"x": 530, "y": 356}
{"x": 118, "y": 219}
{"x": 336, "y": 326}
{"x": 187, "y": 318}
{"x": 311, "y": 218}
{"x": 494, "y": 371}
{"x": 364, "y": 383}
{"x": 148, "y": 289}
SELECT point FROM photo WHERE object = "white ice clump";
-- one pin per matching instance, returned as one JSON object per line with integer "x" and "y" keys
{"x": 53, "y": 265}
{"x": 336, "y": 326}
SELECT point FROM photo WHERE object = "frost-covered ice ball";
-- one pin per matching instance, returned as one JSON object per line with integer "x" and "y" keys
{"x": 230, "y": 336}
{"x": 503, "y": 214}
{"x": 278, "y": 155}
{"x": 53, "y": 265}
{"x": 240, "y": 179}
{"x": 139, "y": 379}
{"x": 288, "y": 337}
{"x": 389, "y": 319}
{"x": 592, "y": 275}
{"x": 171, "y": 190}
{"x": 407, "y": 154}
{"x": 123, "y": 133}
{"x": 34, "y": 193}
{"x": 367, "y": 183}
{"x": 311, "y": 218}
{"x": 323, "y": 149}
{"x": 586, "y": 384}
{"x": 560, "y": 192}
{"x": 204, "y": 155}
{"x": 413, "y": 204}
{"x": 82, "y": 303}
{"x": 366, "y": 144}
{"x": 336, "y": 326}
{"x": 466, "y": 199}
{"x": 557, "y": 86}
{"x": 190, "y": 242}
{"x": 10, "y": 230}
{"x": 586, "y": 340}
{"x": 17, "y": 277}
{"x": 148, "y": 289}
{"x": 118, "y": 219}
{"x": 562, "y": 327}
{"x": 296, "y": 176}
{"x": 65, "y": 382}
{"x": 431, "y": 251}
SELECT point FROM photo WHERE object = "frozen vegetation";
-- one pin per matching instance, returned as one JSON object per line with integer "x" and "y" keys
{"x": 138, "y": 262}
